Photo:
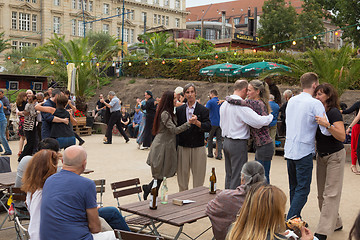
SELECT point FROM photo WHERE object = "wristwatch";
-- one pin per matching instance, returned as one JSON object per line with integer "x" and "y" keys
{"x": 329, "y": 126}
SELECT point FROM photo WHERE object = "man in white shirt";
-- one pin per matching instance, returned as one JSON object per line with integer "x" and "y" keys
{"x": 300, "y": 141}
{"x": 234, "y": 122}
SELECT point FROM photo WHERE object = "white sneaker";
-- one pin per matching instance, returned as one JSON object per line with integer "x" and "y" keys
{"x": 143, "y": 148}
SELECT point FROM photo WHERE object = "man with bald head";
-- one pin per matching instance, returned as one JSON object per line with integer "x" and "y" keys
{"x": 69, "y": 208}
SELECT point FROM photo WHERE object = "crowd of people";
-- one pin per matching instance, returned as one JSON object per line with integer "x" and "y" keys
{"x": 174, "y": 128}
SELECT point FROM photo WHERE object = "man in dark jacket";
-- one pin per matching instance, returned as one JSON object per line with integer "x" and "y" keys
{"x": 191, "y": 149}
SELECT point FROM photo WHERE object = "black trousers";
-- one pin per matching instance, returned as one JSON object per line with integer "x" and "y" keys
{"x": 148, "y": 137}
{"x": 115, "y": 118}
{"x": 31, "y": 143}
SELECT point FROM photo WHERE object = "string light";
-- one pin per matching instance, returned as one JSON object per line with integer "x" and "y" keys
{"x": 52, "y": 62}
{"x": 254, "y": 50}
{"x": 180, "y": 60}
{"x": 294, "y": 43}
{"x": 23, "y": 59}
{"x": 216, "y": 56}
{"x": 129, "y": 64}
{"x": 97, "y": 64}
{"x": 315, "y": 37}
{"x": 82, "y": 64}
{"x": 8, "y": 57}
{"x": 336, "y": 33}
{"x": 274, "y": 47}
{"x": 67, "y": 63}
{"x": 198, "y": 58}
{"x": 37, "y": 61}
{"x": 235, "y": 53}
{"x": 146, "y": 63}
{"x": 163, "y": 62}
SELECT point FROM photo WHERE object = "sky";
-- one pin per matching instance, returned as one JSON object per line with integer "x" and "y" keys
{"x": 194, "y": 3}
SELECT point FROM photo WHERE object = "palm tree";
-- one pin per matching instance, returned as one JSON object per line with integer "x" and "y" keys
{"x": 4, "y": 44}
{"x": 335, "y": 67}
{"x": 157, "y": 45}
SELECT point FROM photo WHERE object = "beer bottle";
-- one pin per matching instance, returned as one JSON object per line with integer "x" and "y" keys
{"x": 164, "y": 192}
{"x": 213, "y": 182}
{"x": 153, "y": 196}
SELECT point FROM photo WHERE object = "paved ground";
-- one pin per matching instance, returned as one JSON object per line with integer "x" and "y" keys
{"x": 121, "y": 161}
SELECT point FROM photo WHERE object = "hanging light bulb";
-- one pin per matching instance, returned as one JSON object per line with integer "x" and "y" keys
{"x": 129, "y": 64}
{"x": 82, "y": 64}
{"x": 274, "y": 47}
{"x": 315, "y": 37}
{"x": 23, "y": 59}
{"x": 235, "y": 53}
{"x": 254, "y": 50}
{"x": 163, "y": 62}
{"x": 8, "y": 57}
{"x": 97, "y": 64}
{"x": 336, "y": 33}
{"x": 294, "y": 43}
{"x": 146, "y": 63}
{"x": 216, "y": 56}
{"x": 113, "y": 64}
{"x": 37, "y": 61}
{"x": 52, "y": 62}
{"x": 180, "y": 60}
{"x": 198, "y": 58}
{"x": 67, "y": 63}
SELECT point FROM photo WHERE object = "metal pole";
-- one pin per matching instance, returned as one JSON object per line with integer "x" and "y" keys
{"x": 122, "y": 37}
{"x": 83, "y": 13}
{"x": 202, "y": 21}
{"x": 145, "y": 23}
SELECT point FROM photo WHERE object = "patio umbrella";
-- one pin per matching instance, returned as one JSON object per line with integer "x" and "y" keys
{"x": 220, "y": 70}
{"x": 254, "y": 69}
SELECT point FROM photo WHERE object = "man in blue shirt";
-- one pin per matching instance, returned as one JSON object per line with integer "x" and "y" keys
{"x": 7, "y": 110}
{"x": 214, "y": 109}
{"x": 134, "y": 127}
{"x": 275, "y": 112}
{"x": 68, "y": 207}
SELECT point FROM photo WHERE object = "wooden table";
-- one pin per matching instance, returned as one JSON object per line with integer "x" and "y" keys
{"x": 173, "y": 214}
{"x": 7, "y": 179}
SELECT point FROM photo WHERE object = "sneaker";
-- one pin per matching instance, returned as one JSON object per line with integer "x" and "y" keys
{"x": 218, "y": 158}
{"x": 107, "y": 142}
{"x": 143, "y": 148}
{"x": 210, "y": 156}
{"x": 127, "y": 140}
{"x": 6, "y": 153}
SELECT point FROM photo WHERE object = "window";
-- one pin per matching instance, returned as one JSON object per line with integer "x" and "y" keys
{"x": 143, "y": 16}
{"x": 129, "y": 14}
{"x": 80, "y": 29}
{"x": 159, "y": 19}
{"x": 106, "y": 9}
{"x": 155, "y": 18}
{"x": 163, "y": 20}
{"x": 34, "y": 1}
{"x": 132, "y": 14}
{"x": 79, "y": 4}
{"x": 331, "y": 37}
{"x": 85, "y": 5}
{"x": 14, "y": 20}
{"x": 34, "y": 44}
{"x": 156, "y": 1}
{"x": 210, "y": 34}
{"x": 177, "y": 3}
{"x": 106, "y": 28}
{"x": 118, "y": 11}
{"x": 90, "y": 6}
{"x": 227, "y": 20}
{"x": 57, "y": 2}
{"x": 24, "y": 44}
{"x": 118, "y": 32}
{"x": 34, "y": 23}
{"x": 126, "y": 35}
{"x": 166, "y": 2}
{"x": 73, "y": 4}
{"x": 90, "y": 28}
{"x": 246, "y": 20}
{"x": 14, "y": 45}
{"x": 131, "y": 36}
{"x": 177, "y": 22}
{"x": 56, "y": 24}
{"x": 167, "y": 20}
{"x": 73, "y": 27}
{"x": 24, "y": 21}
{"x": 236, "y": 21}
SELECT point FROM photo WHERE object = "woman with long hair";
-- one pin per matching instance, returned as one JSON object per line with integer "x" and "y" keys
{"x": 223, "y": 209}
{"x": 162, "y": 156}
{"x": 330, "y": 161}
{"x": 258, "y": 100}
{"x": 42, "y": 165}
{"x": 262, "y": 216}
{"x": 20, "y": 106}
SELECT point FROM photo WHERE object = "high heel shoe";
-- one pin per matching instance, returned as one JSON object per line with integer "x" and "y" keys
{"x": 354, "y": 169}
{"x": 146, "y": 189}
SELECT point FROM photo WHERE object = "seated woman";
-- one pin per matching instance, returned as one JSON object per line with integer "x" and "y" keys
{"x": 262, "y": 216}
{"x": 62, "y": 132}
{"x": 223, "y": 210}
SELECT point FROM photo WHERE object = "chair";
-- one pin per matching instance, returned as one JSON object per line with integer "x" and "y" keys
{"x": 22, "y": 232}
{"x": 100, "y": 189}
{"x": 125, "y": 235}
{"x": 126, "y": 188}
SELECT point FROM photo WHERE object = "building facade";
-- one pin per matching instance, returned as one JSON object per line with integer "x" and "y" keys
{"x": 33, "y": 22}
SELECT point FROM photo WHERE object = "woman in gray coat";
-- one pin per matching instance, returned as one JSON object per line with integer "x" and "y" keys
{"x": 162, "y": 156}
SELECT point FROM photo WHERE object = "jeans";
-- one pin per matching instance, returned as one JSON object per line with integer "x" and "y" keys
{"x": 65, "y": 142}
{"x": 114, "y": 218}
{"x": 300, "y": 174}
{"x": 133, "y": 131}
{"x": 219, "y": 140}
{"x": 3, "y": 140}
{"x": 266, "y": 165}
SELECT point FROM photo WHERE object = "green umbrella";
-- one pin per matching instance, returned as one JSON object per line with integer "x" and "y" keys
{"x": 254, "y": 69}
{"x": 221, "y": 70}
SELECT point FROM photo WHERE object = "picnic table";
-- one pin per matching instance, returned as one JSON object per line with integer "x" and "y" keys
{"x": 173, "y": 214}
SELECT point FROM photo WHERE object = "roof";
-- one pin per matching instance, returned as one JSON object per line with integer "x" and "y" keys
{"x": 23, "y": 77}
{"x": 235, "y": 8}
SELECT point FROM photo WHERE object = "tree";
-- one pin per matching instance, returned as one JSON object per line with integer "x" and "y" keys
{"x": 310, "y": 22}
{"x": 157, "y": 45}
{"x": 344, "y": 13}
{"x": 104, "y": 42}
{"x": 4, "y": 44}
{"x": 278, "y": 23}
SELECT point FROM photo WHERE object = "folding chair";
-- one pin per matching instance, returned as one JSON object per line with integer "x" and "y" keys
{"x": 100, "y": 189}
{"x": 130, "y": 187}
{"x": 21, "y": 213}
{"x": 125, "y": 235}
{"x": 21, "y": 231}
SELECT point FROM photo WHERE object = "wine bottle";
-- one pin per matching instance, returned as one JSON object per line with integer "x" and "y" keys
{"x": 213, "y": 182}
{"x": 164, "y": 192}
{"x": 153, "y": 196}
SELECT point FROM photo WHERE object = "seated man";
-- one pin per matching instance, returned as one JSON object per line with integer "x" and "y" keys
{"x": 133, "y": 128}
{"x": 223, "y": 209}
{"x": 69, "y": 210}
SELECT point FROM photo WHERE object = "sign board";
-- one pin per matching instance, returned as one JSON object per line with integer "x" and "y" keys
{"x": 244, "y": 37}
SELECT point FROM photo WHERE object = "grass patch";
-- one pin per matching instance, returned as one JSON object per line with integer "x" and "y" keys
{"x": 132, "y": 81}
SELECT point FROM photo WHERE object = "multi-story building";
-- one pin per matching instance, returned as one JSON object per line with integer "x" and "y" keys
{"x": 33, "y": 22}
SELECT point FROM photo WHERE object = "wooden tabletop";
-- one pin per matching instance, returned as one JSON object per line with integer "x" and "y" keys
{"x": 7, "y": 179}
{"x": 173, "y": 214}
